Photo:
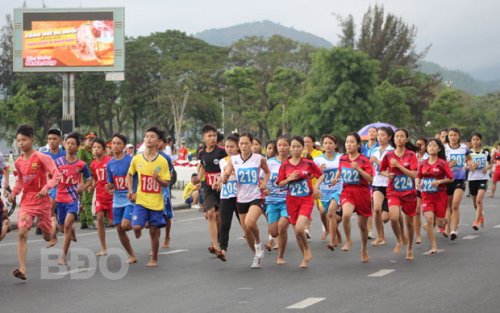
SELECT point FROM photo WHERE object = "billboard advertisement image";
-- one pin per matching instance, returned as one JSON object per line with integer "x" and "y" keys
{"x": 60, "y": 41}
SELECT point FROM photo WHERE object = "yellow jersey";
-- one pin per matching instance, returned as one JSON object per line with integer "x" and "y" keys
{"x": 188, "y": 191}
{"x": 149, "y": 192}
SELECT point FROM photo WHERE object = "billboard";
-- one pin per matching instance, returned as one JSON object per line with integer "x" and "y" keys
{"x": 69, "y": 40}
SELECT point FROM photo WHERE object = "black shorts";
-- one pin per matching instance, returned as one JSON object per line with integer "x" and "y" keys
{"x": 456, "y": 184}
{"x": 476, "y": 185}
{"x": 383, "y": 190}
{"x": 244, "y": 207}
{"x": 419, "y": 194}
{"x": 211, "y": 198}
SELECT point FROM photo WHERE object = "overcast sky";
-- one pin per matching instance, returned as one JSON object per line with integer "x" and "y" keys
{"x": 460, "y": 31}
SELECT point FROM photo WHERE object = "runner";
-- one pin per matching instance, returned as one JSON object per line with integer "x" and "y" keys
{"x": 257, "y": 146}
{"x": 422, "y": 155}
{"x": 385, "y": 139}
{"x": 367, "y": 150}
{"x": 276, "y": 201}
{"x": 69, "y": 190}
{"x": 496, "y": 173}
{"x": 85, "y": 154}
{"x": 444, "y": 136}
{"x": 310, "y": 152}
{"x": 458, "y": 156}
{"x": 271, "y": 152}
{"x": 250, "y": 197}
{"x": 330, "y": 194}
{"x": 478, "y": 177}
{"x": 400, "y": 166}
{"x": 228, "y": 193}
{"x": 54, "y": 142}
{"x": 103, "y": 200}
{"x": 153, "y": 173}
{"x": 271, "y": 149}
{"x": 117, "y": 171}
{"x": 168, "y": 212}
{"x": 209, "y": 169}
{"x": 432, "y": 176}
{"x": 296, "y": 173}
{"x": 32, "y": 168}
{"x": 357, "y": 175}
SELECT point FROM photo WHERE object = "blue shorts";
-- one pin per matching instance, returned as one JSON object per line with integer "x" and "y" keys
{"x": 168, "y": 213}
{"x": 189, "y": 200}
{"x": 124, "y": 212}
{"x": 142, "y": 214}
{"x": 53, "y": 193}
{"x": 63, "y": 209}
{"x": 275, "y": 211}
{"x": 326, "y": 204}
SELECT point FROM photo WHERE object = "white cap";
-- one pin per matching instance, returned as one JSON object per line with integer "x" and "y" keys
{"x": 129, "y": 146}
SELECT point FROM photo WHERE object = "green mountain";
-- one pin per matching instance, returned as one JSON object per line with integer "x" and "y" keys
{"x": 460, "y": 80}
{"x": 226, "y": 36}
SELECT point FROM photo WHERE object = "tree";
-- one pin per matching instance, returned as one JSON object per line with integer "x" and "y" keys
{"x": 340, "y": 96}
{"x": 348, "y": 31}
{"x": 388, "y": 39}
{"x": 393, "y": 109}
{"x": 6, "y": 57}
{"x": 447, "y": 110}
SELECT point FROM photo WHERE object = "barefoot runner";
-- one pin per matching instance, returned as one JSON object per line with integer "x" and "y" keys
{"x": 32, "y": 168}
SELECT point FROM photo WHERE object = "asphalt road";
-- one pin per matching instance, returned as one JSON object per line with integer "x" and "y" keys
{"x": 464, "y": 277}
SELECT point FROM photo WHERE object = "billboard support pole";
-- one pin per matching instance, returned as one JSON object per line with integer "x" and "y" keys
{"x": 65, "y": 90}
{"x": 72, "y": 98}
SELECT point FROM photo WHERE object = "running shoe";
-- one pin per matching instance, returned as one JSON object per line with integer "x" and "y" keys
{"x": 481, "y": 220}
{"x": 475, "y": 226}
{"x": 256, "y": 263}
{"x": 440, "y": 230}
{"x": 308, "y": 233}
{"x": 370, "y": 235}
{"x": 453, "y": 235}
{"x": 259, "y": 251}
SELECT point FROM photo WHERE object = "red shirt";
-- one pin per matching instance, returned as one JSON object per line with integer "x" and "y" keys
{"x": 351, "y": 177}
{"x": 100, "y": 175}
{"x": 430, "y": 172}
{"x": 496, "y": 157}
{"x": 401, "y": 183}
{"x": 302, "y": 186}
{"x": 183, "y": 152}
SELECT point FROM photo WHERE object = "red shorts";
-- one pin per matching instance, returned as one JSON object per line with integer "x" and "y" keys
{"x": 407, "y": 203}
{"x": 435, "y": 202}
{"x": 360, "y": 198}
{"x": 26, "y": 215}
{"x": 496, "y": 176}
{"x": 296, "y": 206}
{"x": 107, "y": 208}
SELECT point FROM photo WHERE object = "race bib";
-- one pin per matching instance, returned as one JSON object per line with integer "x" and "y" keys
{"x": 403, "y": 183}
{"x": 229, "y": 190}
{"x": 248, "y": 176}
{"x": 350, "y": 176}
{"x": 427, "y": 185}
{"x": 459, "y": 158}
{"x": 299, "y": 188}
{"x": 329, "y": 175}
{"x": 211, "y": 178}
{"x": 480, "y": 161}
{"x": 120, "y": 182}
{"x": 149, "y": 184}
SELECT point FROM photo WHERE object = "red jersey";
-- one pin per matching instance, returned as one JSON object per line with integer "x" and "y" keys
{"x": 496, "y": 157}
{"x": 183, "y": 153}
{"x": 32, "y": 178}
{"x": 302, "y": 186}
{"x": 70, "y": 179}
{"x": 430, "y": 172}
{"x": 100, "y": 175}
{"x": 401, "y": 183}
{"x": 351, "y": 177}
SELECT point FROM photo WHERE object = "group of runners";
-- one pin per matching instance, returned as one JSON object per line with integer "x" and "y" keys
{"x": 389, "y": 176}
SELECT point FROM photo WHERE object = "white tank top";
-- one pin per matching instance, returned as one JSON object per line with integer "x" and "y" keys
{"x": 247, "y": 177}
{"x": 379, "y": 180}
{"x": 229, "y": 189}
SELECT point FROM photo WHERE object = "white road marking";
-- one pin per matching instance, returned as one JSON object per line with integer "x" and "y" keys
{"x": 305, "y": 303}
{"x": 381, "y": 273}
{"x": 240, "y": 238}
{"x": 470, "y": 237}
{"x": 188, "y": 219}
{"x": 60, "y": 237}
{"x": 438, "y": 251}
{"x": 173, "y": 251}
{"x": 77, "y": 270}
{"x": 498, "y": 226}
{"x": 246, "y": 288}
